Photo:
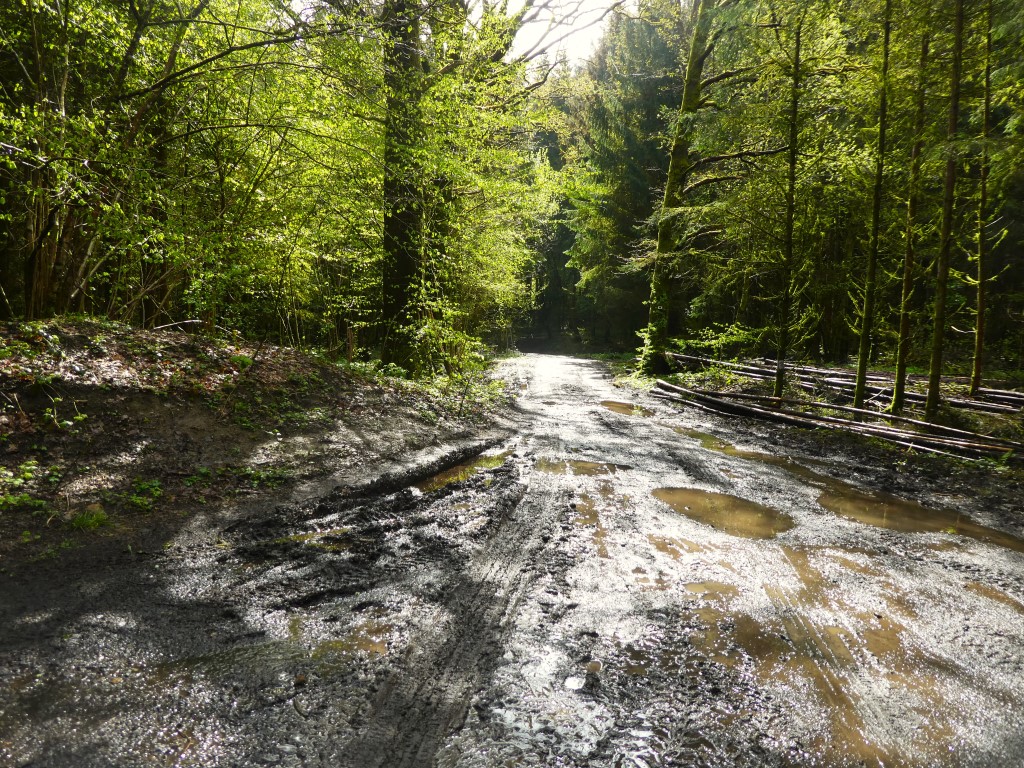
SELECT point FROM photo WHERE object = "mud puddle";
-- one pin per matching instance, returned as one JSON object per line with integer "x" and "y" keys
{"x": 871, "y": 508}
{"x": 539, "y": 609}
{"x": 726, "y": 513}
{"x": 896, "y": 514}
{"x": 626, "y": 409}
{"x": 463, "y": 471}
{"x": 588, "y": 515}
{"x": 852, "y": 667}
{"x": 992, "y": 593}
{"x": 370, "y": 637}
{"x": 577, "y": 467}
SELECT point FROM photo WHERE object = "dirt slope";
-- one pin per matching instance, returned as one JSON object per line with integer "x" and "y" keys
{"x": 112, "y": 438}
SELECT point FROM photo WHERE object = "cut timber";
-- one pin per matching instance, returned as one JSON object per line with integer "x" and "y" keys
{"x": 771, "y": 416}
{"x": 935, "y": 429}
{"x": 814, "y": 379}
{"x": 961, "y": 444}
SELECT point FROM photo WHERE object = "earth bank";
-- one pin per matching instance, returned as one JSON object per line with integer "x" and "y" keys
{"x": 111, "y": 438}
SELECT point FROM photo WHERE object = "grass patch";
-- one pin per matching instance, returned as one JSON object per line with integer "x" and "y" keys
{"x": 90, "y": 518}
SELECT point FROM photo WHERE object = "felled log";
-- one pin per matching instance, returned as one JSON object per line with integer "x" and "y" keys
{"x": 810, "y": 378}
{"x": 935, "y": 429}
{"x": 974, "y": 447}
{"x": 771, "y": 416}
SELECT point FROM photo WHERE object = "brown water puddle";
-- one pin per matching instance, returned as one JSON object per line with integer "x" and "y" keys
{"x": 818, "y": 642}
{"x": 462, "y": 471}
{"x": 369, "y": 638}
{"x": 886, "y": 511}
{"x": 876, "y": 509}
{"x": 673, "y": 547}
{"x": 994, "y": 594}
{"x": 643, "y": 656}
{"x": 721, "y": 631}
{"x": 587, "y": 515}
{"x": 836, "y": 646}
{"x": 575, "y": 467}
{"x": 651, "y": 582}
{"x": 726, "y": 513}
{"x": 730, "y": 638}
{"x": 856, "y": 566}
{"x": 626, "y": 409}
{"x": 589, "y": 509}
{"x": 712, "y": 589}
{"x": 719, "y": 635}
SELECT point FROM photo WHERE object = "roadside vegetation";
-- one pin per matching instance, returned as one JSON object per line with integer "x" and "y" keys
{"x": 112, "y": 432}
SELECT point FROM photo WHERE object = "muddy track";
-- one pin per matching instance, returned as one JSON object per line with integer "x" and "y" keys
{"x": 613, "y": 586}
{"x": 427, "y": 697}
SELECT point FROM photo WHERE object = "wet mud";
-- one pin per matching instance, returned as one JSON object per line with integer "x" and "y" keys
{"x": 725, "y": 512}
{"x": 614, "y": 585}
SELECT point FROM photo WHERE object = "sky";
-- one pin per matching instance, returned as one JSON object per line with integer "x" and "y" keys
{"x": 571, "y": 26}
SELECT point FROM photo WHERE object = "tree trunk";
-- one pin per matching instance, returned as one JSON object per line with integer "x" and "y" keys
{"x": 782, "y": 348}
{"x": 680, "y": 167}
{"x": 868, "y": 316}
{"x": 948, "y": 204}
{"x": 403, "y": 209}
{"x": 903, "y": 345}
{"x": 986, "y": 127}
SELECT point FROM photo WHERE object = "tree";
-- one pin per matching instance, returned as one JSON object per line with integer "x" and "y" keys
{"x": 984, "y": 170}
{"x": 946, "y": 233}
{"x": 913, "y": 195}
{"x": 428, "y": 48}
{"x": 789, "y": 255}
{"x": 682, "y": 162}
{"x": 403, "y": 176}
{"x": 868, "y": 313}
{"x": 613, "y": 125}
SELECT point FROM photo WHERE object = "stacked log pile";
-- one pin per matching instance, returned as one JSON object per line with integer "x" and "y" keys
{"x": 880, "y": 385}
{"x": 900, "y": 430}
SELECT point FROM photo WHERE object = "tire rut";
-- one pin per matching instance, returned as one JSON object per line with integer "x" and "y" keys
{"x": 429, "y": 697}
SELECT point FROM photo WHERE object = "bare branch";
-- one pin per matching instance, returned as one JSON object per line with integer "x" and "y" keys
{"x": 741, "y": 155}
{"x": 544, "y": 45}
{"x": 705, "y": 182}
{"x": 728, "y": 74}
{"x": 173, "y": 77}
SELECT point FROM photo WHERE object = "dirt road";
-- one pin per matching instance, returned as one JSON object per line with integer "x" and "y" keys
{"x": 610, "y": 586}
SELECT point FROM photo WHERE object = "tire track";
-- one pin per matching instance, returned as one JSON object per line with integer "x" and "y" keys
{"x": 429, "y": 696}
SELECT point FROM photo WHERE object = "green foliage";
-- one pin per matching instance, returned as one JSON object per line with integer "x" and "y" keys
{"x": 202, "y": 477}
{"x": 169, "y": 165}
{"x": 161, "y": 164}
{"x": 90, "y": 519}
{"x": 14, "y": 492}
{"x": 10, "y": 500}
{"x": 143, "y": 494}
{"x": 612, "y": 130}
{"x": 241, "y": 362}
{"x": 271, "y": 477}
{"x": 722, "y": 342}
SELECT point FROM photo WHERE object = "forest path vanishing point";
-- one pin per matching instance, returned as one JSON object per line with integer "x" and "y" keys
{"x": 611, "y": 586}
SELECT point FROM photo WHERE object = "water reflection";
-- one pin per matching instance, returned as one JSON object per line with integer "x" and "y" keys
{"x": 873, "y": 508}
{"x": 462, "y": 471}
{"x": 726, "y": 513}
{"x": 626, "y": 409}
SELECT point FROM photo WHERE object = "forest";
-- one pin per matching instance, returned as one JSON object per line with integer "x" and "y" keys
{"x": 401, "y": 181}
{"x": 390, "y": 384}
